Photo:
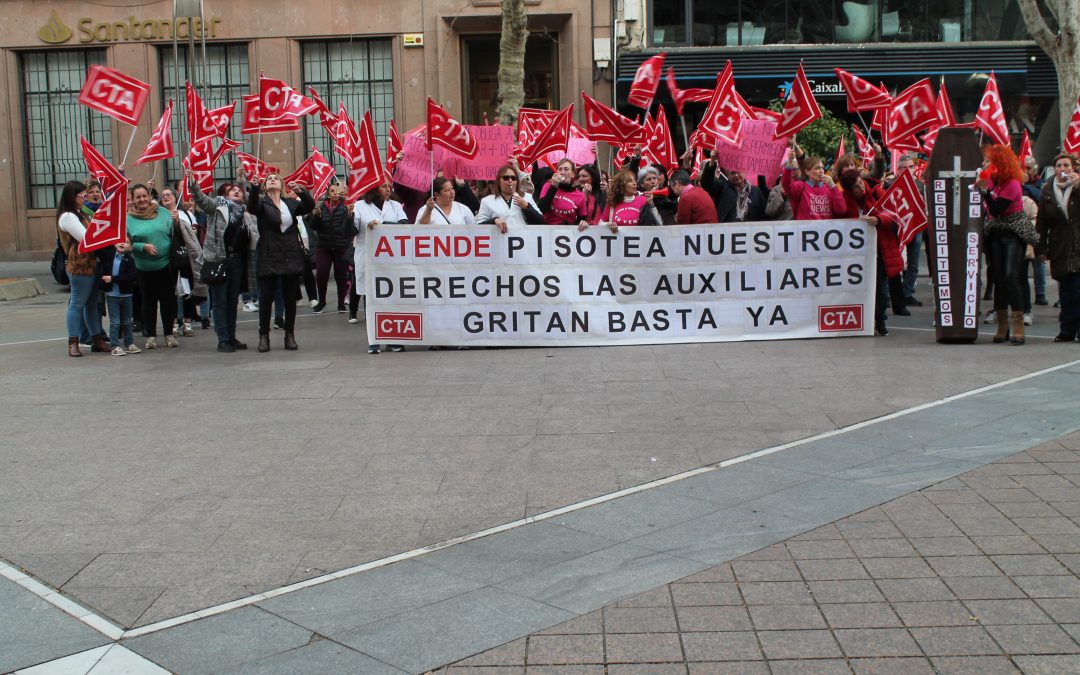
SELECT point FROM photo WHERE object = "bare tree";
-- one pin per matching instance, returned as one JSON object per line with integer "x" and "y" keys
{"x": 1061, "y": 48}
{"x": 515, "y": 32}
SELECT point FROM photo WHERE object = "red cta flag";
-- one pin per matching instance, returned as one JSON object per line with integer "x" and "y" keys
{"x": 766, "y": 115}
{"x": 255, "y": 168}
{"x": 394, "y": 146}
{"x": 100, "y": 168}
{"x": 866, "y": 150}
{"x": 108, "y": 227}
{"x": 1025, "y": 150}
{"x": 447, "y": 132}
{"x": 604, "y": 124}
{"x": 115, "y": 94}
{"x": 910, "y": 112}
{"x": 365, "y": 169}
{"x": 800, "y": 108}
{"x": 346, "y": 138}
{"x": 861, "y": 95}
{"x": 327, "y": 119}
{"x": 647, "y": 78}
{"x": 1071, "y": 144}
{"x": 278, "y": 101}
{"x": 531, "y": 121}
{"x": 723, "y": 118}
{"x": 660, "y": 148}
{"x": 683, "y": 96}
{"x": 314, "y": 173}
{"x": 991, "y": 116}
{"x": 840, "y": 152}
{"x": 203, "y": 124}
{"x": 944, "y": 107}
{"x": 200, "y": 160}
{"x": 160, "y": 145}
{"x": 253, "y": 123}
{"x": 904, "y": 203}
{"x": 554, "y": 138}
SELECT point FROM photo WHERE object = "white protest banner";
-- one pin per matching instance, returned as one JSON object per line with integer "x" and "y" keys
{"x": 758, "y": 155}
{"x": 495, "y": 141}
{"x": 544, "y": 285}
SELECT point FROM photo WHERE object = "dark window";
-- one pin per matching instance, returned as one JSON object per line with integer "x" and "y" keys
{"x": 222, "y": 81}
{"x": 358, "y": 73}
{"x": 54, "y": 120}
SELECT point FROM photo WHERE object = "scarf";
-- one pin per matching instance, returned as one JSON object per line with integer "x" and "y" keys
{"x": 1061, "y": 194}
{"x": 743, "y": 204}
{"x": 236, "y": 211}
{"x": 149, "y": 214}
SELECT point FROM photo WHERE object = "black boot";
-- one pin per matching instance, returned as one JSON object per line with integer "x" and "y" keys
{"x": 264, "y": 343}
{"x": 290, "y": 342}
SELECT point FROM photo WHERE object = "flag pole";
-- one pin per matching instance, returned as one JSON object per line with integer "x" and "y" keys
{"x": 130, "y": 142}
{"x": 869, "y": 133}
{"x": 685, "y": 138}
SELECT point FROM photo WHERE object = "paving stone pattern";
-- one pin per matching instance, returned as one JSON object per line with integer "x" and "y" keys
{"x": 976, "y": 574}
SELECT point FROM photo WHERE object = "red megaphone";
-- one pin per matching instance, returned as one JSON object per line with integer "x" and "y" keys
{"x": 662, "y": 192}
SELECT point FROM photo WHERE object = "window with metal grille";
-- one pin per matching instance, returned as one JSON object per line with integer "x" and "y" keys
{"x": 54, "y": 120}
{"x": 359, "y": 73}
{"x": 223, "y": 80}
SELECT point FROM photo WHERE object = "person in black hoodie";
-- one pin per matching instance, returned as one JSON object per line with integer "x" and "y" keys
{"x": 737, "y": 201}
{"x": 280, "y": 252}
{"x": 116, "y": 278}
{"x": 333, "y": 222}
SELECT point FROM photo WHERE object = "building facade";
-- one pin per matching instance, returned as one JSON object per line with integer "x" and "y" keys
{"x": 896, "y": 42}
{"x": 386, "y": 57}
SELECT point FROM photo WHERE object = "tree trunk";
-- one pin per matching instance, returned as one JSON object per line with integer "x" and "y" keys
{"x": 512, "y": 60}
{"x": 1061, "y": 48}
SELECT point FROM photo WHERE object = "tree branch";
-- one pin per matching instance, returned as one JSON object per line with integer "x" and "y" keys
{"x": 1037, "y": 27}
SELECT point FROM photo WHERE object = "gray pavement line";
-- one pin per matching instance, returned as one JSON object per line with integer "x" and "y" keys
{"x": 1028, "y": 336}
{"x": 570, "y": 508}
{"x": 62, "y": 602}
{"x": 30, "y": 342}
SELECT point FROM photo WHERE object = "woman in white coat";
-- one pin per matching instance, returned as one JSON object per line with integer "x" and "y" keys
{"x": 373, "y": 210}
{"x": 508, "y": 206}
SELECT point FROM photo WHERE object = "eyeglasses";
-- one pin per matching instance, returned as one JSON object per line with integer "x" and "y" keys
{"x": 508, "y": 177}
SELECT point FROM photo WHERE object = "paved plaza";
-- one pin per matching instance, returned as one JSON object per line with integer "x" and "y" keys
{"x": 835, "y": 505}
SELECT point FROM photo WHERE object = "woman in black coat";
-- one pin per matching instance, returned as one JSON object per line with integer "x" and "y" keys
{"x": 280, "y": 250}
{"x": 333, "y": 222}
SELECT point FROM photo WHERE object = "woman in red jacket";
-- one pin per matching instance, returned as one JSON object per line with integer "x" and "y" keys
{"x": 860, "y": 198}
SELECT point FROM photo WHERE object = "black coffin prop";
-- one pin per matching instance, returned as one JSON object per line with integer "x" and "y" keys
{"x": 955, "y": 233}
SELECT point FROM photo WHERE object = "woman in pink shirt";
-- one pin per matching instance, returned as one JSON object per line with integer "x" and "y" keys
{"x": 561, "y": 202}
{"x": 816, "y": 197}
{"x": 1008, "y": 233}
{"x": 625, "y": 206}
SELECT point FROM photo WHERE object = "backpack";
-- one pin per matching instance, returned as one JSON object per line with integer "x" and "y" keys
{"x": 58, "y": 266}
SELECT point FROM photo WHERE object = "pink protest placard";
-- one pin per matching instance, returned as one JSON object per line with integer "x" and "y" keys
{"x": 579, "y": 150}
{"x": 759, "y": 154}
{"x": 495, "y": 141}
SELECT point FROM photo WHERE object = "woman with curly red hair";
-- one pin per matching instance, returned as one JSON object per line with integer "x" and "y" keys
{"x": 1008, "y": 232}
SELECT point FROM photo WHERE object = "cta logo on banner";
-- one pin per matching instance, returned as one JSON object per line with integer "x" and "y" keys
{"x": 399, "y": 326}
{"x": 549, "y": 285}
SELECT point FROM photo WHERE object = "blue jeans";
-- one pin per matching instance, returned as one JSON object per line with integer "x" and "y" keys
{"x": 223, "y": 299}
{"x": 120, "y": 320}
{"x": 1040, "y": 277}
{"x": 82, "y": 311}
{"x": 911, "y": 272}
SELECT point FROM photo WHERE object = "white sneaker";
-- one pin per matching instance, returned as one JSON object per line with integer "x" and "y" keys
{"x": 171, "y": 341}
{"x": 1028, "y": 320}
{"x": 991, "y": 318}
{"x": 151, "y": 343}
{"x": 251, "y": 307}
{"x": 313, "y": 303}
{"x": 118, "y": 351}
{"x": 132, "y": 349}
{"x": 187, "y": 332}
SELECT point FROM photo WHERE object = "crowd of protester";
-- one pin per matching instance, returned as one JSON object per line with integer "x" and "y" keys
{"x": 254, "y": 246}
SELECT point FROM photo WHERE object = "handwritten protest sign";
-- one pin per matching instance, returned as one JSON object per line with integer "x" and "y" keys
{"x": 759, "y": 154}
{"x": 496, "y": 142}
{"x": 579, "y": 150}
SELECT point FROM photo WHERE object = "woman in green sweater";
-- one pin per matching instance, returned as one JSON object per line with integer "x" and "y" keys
{"x": 151, "y": 232}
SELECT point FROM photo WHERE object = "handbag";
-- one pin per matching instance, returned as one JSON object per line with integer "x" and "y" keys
{"x": 213, "y": 273}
